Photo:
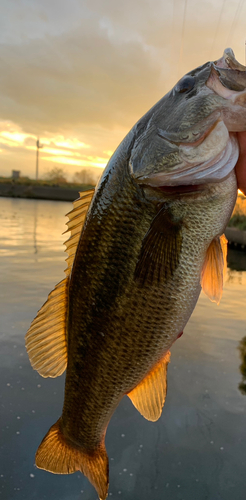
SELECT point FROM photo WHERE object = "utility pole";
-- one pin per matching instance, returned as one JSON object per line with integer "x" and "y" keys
{"x": 38, "y": 148}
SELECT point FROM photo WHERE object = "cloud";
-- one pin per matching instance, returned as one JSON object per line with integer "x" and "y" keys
{"x": 87, "y": 71}
{"x": 70, "y": 152}
{"x": 102, "y": 65}
{"x": 76, "y": 79}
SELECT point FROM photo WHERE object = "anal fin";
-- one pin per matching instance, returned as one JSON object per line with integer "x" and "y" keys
{"x": 149, "y": 396}
{"x": 214, "y": 269}
{"x": 55, "y": 454}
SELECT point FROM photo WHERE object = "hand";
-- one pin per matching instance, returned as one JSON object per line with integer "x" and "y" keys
{"x": 241, "y": 164}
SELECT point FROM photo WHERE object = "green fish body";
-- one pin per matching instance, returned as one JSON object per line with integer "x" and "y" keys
{"x": 140, "y": 249}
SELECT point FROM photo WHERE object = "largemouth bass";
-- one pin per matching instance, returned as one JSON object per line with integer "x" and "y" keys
{"x": 141, "y": 247}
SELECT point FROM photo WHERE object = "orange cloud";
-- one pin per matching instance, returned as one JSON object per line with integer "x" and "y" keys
{"x": 91, "y": 162}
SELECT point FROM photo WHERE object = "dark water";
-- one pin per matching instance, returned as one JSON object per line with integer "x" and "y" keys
{"x": 198, "y": 447}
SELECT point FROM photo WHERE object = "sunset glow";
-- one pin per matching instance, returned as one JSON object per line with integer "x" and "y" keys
{"x": 14, "y": 136}
{"x": 79, "y": 79}
{"x": 57, "y": 149}
{"x": 70, "y": 143}
{"x": 97, "y": 162}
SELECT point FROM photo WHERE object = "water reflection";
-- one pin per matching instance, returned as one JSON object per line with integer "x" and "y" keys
{"x": 31, "y": 222}
{"x": 242, "y": 349}
{"x": 35, "y": 229}
{"x": 236, "y": 266}
{"x": 196, "y": 449}
{"x": 236, "y": 260}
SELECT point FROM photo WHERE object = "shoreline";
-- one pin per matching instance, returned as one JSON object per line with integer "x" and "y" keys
{"x": 236, "y": 238}
{"x": 33, "y": 191}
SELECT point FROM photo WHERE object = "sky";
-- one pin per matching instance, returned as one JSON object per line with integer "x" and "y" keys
{"x": 78, "y": 74}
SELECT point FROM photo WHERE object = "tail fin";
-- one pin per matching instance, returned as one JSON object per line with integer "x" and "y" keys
{"x": 56, "y": 455}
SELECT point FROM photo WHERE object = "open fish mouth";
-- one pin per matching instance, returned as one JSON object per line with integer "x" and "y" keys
{"x": 228, "y": 61}
{"x": 209, "y": 150}
{"x": 228, "y": 78}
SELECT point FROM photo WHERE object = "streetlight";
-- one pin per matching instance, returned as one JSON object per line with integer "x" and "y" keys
{"x": 38, "y": 148}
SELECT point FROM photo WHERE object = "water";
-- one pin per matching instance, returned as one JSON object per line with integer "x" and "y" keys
{"x": 196, "y": 449}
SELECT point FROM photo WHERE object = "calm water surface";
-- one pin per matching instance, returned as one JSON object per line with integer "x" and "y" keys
{"x": 198, "y": 447}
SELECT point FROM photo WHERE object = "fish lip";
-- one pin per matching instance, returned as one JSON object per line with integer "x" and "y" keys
{"x": 182, "y": 189}
{"x": 228, "y": 78}
{"x": 216, "y": 83}
{"x": 228, "y": 61}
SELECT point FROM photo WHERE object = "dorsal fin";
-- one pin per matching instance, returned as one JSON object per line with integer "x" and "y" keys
{"x": 214, "y": 269}
{"x": 149, "y": 396}
{"x": 75, "y": 223}
{"x": 46, "y": 341}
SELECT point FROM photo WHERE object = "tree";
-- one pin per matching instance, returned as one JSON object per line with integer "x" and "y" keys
{"x": 56, "y": 175}
{"x": 85, "y": 176}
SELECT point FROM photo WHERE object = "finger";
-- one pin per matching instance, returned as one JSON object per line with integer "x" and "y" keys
{"x": 241, "y": 163}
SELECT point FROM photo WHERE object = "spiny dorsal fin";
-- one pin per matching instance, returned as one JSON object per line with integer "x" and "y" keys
{"x": 149, "y": 396}
{"x": 75, "y": 223}
{"x": 59, "y": 456}
{"x": 160, "y": 250}
{"x": 46, "y": 341}
{"x": 214, "y": 269}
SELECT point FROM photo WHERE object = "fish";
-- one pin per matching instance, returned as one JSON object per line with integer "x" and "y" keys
{"x": 142, "y": 245}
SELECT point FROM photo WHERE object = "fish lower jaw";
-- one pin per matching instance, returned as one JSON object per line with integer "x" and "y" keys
{"x": 182, "y": 189}
{"x": 190, "y": 178}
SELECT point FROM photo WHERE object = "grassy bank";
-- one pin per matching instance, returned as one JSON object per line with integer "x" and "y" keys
{"x": 41, "y": 190}
{"x": 61, "y": 190}
{"x": 25, "y": 181}
{"x": 238, "y": 219}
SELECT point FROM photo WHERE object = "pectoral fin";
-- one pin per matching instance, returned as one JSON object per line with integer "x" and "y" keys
{"x": 160, "y": 250}
{"x": 46, "y": 340}
{"x": 149, "y": 396}
{"x": 214, "y": 269}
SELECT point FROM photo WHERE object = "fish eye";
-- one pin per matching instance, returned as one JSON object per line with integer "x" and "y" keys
{"x": 185, "y": 84}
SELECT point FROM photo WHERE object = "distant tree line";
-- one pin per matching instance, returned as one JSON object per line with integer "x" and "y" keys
{"x": 84, "y": 176}
{"x": 56, "y": 175}
{"x": 59, "y": 176}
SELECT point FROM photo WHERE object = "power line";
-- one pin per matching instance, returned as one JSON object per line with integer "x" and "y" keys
{"x": 217, "y": 28}
{"x": 234, "y": 22}
{"x": 174, "y": 38}
{"x": 37, "y": 154}
{"x": 182, "y": 35}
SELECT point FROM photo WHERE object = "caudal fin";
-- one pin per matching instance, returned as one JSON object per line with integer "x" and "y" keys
{"x": 56, "y": 455}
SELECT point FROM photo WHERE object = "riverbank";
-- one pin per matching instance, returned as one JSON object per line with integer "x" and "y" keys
{"x": 40, "y": 192}
{"x": 236, "y": 237}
